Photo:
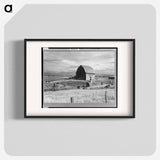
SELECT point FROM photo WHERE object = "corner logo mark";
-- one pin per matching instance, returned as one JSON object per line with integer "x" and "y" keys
{"x": 8, "y": 8}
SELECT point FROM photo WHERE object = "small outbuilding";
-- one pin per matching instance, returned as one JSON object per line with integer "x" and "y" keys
{"x": 85, "y": 73}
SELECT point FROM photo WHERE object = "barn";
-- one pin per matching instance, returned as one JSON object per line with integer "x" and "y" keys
{"x": 85, "y": 73}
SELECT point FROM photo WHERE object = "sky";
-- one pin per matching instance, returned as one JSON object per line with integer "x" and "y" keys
{"x": 68, "y": 60}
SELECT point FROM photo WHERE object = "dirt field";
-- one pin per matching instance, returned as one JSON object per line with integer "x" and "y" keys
{"x": 80, "y": 96}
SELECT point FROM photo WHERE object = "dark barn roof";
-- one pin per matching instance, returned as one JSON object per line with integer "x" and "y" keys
{"x": 87, "y": 69}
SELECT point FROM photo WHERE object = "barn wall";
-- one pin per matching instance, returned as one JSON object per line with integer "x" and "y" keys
{"x": 88, "y": 75}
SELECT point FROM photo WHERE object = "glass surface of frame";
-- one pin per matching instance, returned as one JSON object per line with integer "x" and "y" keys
{"x": 72, "y": 76}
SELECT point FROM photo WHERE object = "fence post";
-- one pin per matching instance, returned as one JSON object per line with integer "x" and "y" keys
{"x": 106, "y": 96}
{"x": 72, "y": 99}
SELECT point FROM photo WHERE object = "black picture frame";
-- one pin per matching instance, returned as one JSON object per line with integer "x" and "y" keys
{"x": 90, "y": 40}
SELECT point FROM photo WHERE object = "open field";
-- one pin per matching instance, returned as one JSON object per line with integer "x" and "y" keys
{"x": 81, "y": 96}
{"x": 57, "y": 83}
{"x": 63, "y": 88}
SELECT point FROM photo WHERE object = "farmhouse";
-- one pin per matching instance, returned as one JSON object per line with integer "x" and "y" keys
{"x": 85, "y": 73}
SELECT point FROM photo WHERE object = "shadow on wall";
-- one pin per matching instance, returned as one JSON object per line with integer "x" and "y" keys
{"x": 14, "y": 79}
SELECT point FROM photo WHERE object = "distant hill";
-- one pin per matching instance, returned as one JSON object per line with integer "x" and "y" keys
{"x": 58, "y": 73}
{"x": 54, "y": 76}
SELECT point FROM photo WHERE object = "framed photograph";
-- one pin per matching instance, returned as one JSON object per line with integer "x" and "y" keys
{"x": 79, "y": 78}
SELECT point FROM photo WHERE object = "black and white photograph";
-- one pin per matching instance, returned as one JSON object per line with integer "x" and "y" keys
{"x": 79, "y": 76}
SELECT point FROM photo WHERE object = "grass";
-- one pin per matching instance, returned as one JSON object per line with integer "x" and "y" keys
{"x": 62, "y": 89}
{"x": 80, "y": 96}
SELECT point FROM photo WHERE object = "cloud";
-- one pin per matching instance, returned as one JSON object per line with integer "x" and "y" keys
{"x": 68, "y": 60}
